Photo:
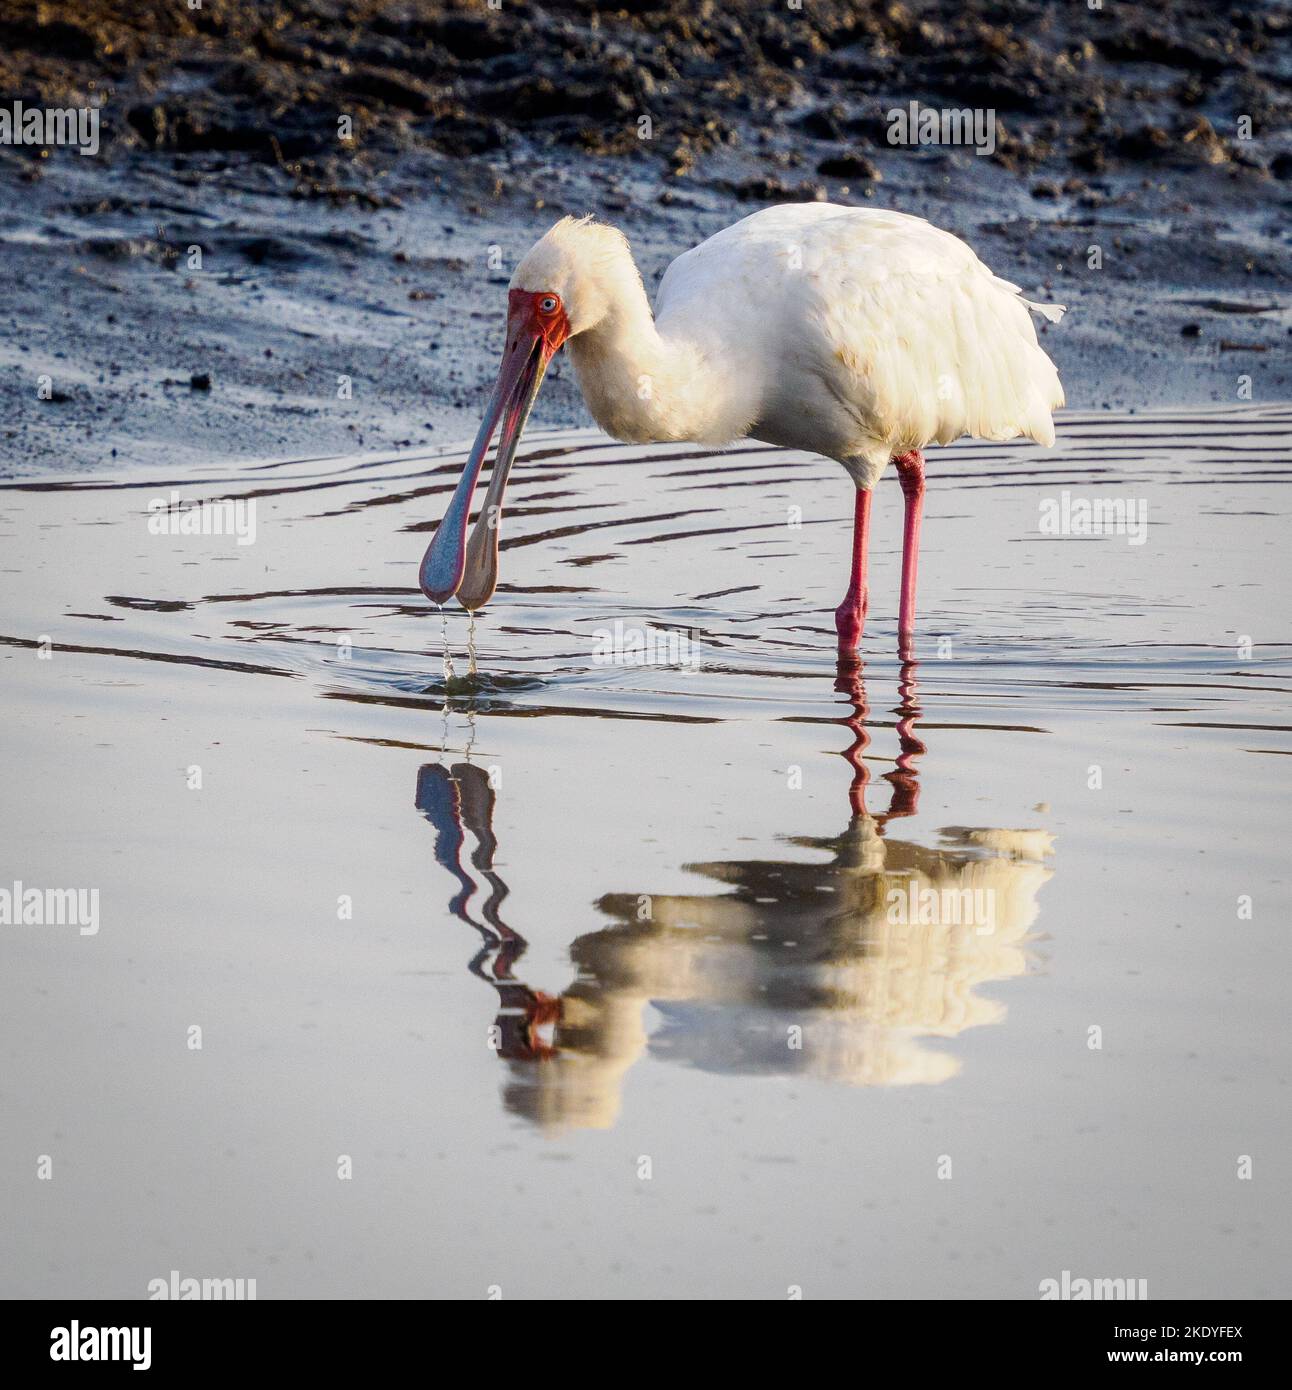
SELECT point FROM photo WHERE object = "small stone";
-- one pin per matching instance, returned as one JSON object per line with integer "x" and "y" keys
{"x": 849, "y": 166}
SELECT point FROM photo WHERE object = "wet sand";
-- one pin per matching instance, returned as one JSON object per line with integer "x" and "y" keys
{"x": 491, "y": 1029}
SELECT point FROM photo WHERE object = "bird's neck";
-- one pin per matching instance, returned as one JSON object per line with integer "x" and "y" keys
{"x": 643, "y": 385}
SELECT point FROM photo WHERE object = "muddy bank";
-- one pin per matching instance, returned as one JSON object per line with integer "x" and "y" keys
{"x": 297, "y": 230}
{"x": 270, "y": 80}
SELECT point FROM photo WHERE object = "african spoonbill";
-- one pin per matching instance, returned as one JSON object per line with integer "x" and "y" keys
{"x": 856, "y": 333}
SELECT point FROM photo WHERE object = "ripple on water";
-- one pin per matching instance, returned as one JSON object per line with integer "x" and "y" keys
{"x": 1087, "y": 753}
{"x": 706, "y": 580}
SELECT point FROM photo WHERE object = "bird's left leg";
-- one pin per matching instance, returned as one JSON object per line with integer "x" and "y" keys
{"x": 910, "y": 473}
{"x": 850, "y": 616}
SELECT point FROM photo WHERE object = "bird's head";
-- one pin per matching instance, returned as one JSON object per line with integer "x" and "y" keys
{"x": 578, "y": 263}
{"x": 563, "y": 286}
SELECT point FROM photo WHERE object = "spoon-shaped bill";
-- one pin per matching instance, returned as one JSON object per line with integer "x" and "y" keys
{"x": 536, "y": 328}
{"x": 480, "y": 576}
{"x": 442, "y": 565}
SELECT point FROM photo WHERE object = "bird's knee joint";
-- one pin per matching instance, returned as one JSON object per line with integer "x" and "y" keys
{"x": 910, "y": 472}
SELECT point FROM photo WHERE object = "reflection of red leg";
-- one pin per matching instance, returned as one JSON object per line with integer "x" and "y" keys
{"x": 905, "y": 777}
{"x": 848, "y": 680}
{"x": 850, "y": 616}
{"x": 910, "y": 473}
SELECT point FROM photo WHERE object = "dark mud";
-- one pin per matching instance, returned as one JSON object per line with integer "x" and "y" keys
{"x": 268, "y": 80}
{"x": 359, "y": 179}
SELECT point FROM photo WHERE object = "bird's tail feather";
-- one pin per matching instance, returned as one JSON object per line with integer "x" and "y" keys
{"x": 1053, "y": 312}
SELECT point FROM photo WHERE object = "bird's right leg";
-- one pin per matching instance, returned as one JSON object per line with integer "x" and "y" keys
{"x": 850, "y": 616}
{"x": 910, "y": 473}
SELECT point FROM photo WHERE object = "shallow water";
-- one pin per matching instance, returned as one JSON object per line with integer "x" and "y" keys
{"x": 714, "y": 976}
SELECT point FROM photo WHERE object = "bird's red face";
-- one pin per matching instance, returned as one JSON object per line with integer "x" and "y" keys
{"x": 536, "y": 327}
{"x": 540, "y": 314}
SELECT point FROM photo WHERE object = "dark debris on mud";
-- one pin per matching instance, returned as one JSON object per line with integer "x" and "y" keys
{"x": 381, "y": 259}
{"x": 268, "y": 81}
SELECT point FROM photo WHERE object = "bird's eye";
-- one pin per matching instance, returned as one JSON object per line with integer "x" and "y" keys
{"x": 548, "y": 304}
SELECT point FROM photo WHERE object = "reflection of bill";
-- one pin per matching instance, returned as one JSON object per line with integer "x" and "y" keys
{"x": 456, "y": 800}
{"x": 799, "y": 968}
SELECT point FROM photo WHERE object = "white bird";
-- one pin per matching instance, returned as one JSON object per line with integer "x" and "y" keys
{"x": 856, "y": 333}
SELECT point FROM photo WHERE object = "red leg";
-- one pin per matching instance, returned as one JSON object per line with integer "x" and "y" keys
{"x": 910, "y": 473}
{"x": 850, "y": 616}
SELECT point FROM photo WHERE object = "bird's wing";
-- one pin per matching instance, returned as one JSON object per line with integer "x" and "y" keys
{"x": 927, "y": 343}
{"x": 898, "y": 321}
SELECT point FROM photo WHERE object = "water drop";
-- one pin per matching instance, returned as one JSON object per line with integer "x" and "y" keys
{"x": 450, "y": 675}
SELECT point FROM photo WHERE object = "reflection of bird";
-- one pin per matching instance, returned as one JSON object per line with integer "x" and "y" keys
{"x": 856, "y": 333}
{"x": 837, "y": 951}
{"x": 835, "y": 969}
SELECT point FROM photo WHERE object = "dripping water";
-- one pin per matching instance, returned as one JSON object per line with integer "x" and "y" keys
{"x": 450, "y": 673}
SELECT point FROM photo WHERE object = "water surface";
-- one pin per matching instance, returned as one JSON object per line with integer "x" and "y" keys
{"x": 645, "y": 979}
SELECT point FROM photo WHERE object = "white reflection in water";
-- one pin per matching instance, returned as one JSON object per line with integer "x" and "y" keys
{"x": 840, "y": 970}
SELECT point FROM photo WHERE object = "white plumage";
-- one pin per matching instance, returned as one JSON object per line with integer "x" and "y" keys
{"x": 871, "y": 984}
{"x": 862, "y": 335}
{"x": 855, "y": 333}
